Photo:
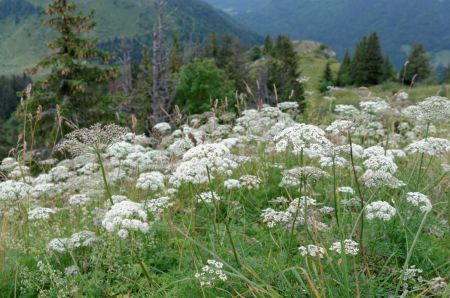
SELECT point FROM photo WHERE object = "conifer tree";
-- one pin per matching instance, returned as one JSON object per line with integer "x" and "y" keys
{"x": 418, "y": 66}
{"x": 76, "y": 82}
{"x": 358, "y": 67}
{"x": 212, "y": 47}
{"x": 175, "y": 59}
{"x": 327, "y": 78}
{"x": 373, "y": 61}
{"x": 284, "y": 71}
{"x": 344, "y": 77}
{"x": 388, "y": 70}
{"x": 268, "y": 45}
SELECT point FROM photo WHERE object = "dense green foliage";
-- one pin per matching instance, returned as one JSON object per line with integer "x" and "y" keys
{"x": 283, "y": 70}
{"x": 200, "y": 83}
{"x": 418, "y": 67}
{"x": 75, "y": 89}
{"x": 9, "y": 87}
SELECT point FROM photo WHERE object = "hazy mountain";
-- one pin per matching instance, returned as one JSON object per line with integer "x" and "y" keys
{"x": 340, "y": 23}
{"x": 23, "y": 39}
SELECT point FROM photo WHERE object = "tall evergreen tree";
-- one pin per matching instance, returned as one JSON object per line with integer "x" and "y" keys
{"x": 358, "y": 67}
{"x": 373, "y": 61}
{"x": 388, "y": 70}
{"x": 176, "y": 55}
{"x": 284, "y": 71}
{"x": 344, "y": 77}
{"x": 212, "y": 47}
{"x": 268, "y": 45}
{"x": 327, "y": 78}
{"x": 77, "y": 82}
{"x": 418, "y": 66}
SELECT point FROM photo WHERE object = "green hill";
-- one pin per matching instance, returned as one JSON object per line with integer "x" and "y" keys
{"x": 23, "y": 39}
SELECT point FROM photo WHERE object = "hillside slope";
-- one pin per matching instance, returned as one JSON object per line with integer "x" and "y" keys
{"x": 340, "y": 23}
{"x": 23, "y": 39}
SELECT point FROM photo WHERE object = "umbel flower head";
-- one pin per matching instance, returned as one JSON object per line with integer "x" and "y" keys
{"x": 302, "y": 137}
{"x": 126, "y": 216}
{"x": 429, "y": 146}
{"x": 97, "y": 138}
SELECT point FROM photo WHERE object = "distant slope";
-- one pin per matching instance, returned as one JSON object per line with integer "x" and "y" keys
{"x": 340, "y": 23}
{"x": 23, "y": 39}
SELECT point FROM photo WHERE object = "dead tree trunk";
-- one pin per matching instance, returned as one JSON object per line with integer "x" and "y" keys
{"x": 161, "y": 97}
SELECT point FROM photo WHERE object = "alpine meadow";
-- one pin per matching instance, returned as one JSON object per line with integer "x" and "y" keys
{"x": 223, "y": 148}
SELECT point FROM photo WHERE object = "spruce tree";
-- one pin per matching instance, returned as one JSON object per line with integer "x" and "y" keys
{"x": 418, "y": 66}
{"x": 77, "y": 81}
{"x": 373, "y": 61}
{"x": 284, "y": 71}
{"x": 212, "y": 47}
{"x": 327, "y": 78}
{"x": 268, "y": 45}
{"x": 344, "y": 77}
{"x": 176, "y": 57}
{"x": 358, "y": 68}
{"x": 388, "y": 70}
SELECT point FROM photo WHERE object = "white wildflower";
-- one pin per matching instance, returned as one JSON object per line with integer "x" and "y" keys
{"x": 419, "y": 200}
{"x": 312, "y": 251}
{"x": 40, "y": 213}
{"x": 350, "y": 247}
{"x": 153, "y": 181}
{"x": 429, "y": 146}
{"x": 232, "y": 184}
{"x": 380, "y": 210}
{"x": 126, "y": 216}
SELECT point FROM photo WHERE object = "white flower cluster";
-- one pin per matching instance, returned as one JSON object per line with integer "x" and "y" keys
{"x": 272, "y": 217}
{"x": 374, "y": 107}
{"x": 302, "y": 137}
{"x": 80, "y": 239}
{"x": 126, "y": 216}
{"x": 196, "y": 162}
{"x": 293, "y": 177}
{"x": 340, "y": 127}
{"x": 249, "y": 182}
{"x": 430, "y": 146}
{"x": 207, "y": 197}
{"x": 380, "y": 210}
{"x": 232, "y": 184}
{"x": 350, "y": 247}
{"x": 312, "y": 250}
{"x": 40, "y": 213}
{"x": 59, "y": 173}
{"x": 153, "y": 181}
{"x": 211, "y": 273}
{"x": 379, "y": 173}
{"x": 347, "y": 110}
{"x": 11, "y": 190}
{"x": 44, "y": 189}
{"x": 288, "y": 105}
{"x": 435, "y": 108}
{"x": 163, "y": 128}
{"x": 419, "y": 200}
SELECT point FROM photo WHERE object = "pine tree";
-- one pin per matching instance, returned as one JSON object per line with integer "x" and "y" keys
{"x": 373, "y": 61}
{"x": 327, "y": 78}
{"x": 212, "y": 47}
{"x": 175, "y": 59}
{"x": 77, "y": 82}
{"x": 144, "y": 81}
{"x": 268, "y": 45}
{"x": 284, "y": 71}
{"x": 418, "y": 67}
{"x": 358, "y": 67}
{"x": 344, "y": 77}
{"x": 388, "y": 70}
